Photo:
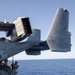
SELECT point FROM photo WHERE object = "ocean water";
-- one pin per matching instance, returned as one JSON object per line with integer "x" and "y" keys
{"x": 47, "y": 67}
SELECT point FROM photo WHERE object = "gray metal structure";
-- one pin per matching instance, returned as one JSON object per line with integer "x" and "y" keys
{"x": 58, "y": 39}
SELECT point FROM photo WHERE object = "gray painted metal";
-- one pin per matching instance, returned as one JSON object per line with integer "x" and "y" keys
{"x": 59, "y": 38}
{"x": 35, "y": 36}
{"x": 8, "y": 49}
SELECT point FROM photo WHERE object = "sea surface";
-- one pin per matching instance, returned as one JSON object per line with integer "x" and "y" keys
{"x": 47, "y": 67}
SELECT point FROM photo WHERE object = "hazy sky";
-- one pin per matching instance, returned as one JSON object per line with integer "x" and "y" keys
{"x": 41, "y": 14}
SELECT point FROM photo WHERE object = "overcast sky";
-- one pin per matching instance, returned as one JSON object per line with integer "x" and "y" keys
{"x": 41, "y": 14}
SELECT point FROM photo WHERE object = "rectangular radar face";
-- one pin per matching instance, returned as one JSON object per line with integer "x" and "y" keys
{"x": 26, "y": 25}
{"x": 23, "y": 27}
